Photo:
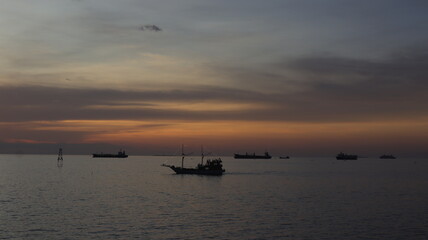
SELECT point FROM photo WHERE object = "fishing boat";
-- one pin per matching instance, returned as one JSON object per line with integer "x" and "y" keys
{"x": 120, "y": 154}
{"x": 343, "y": 156}
{"x": 253, "y": 156}
{"x": 385, "y": 156}
{"x": 209, "y": 167}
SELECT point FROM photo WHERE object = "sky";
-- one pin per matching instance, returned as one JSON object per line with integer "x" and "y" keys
{"x": 293, "y": 77}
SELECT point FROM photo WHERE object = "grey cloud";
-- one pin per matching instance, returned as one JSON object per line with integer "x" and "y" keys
{"x": 312, "y": 89}
{"x": 399, "y": 75}
{"x": 44, "y": 103}
{"x": 149, "y": 27}
{"x": 393, "y": 87}
{"x": 334, "y": 89}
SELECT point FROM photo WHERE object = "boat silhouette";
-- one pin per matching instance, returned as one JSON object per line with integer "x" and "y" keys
{"x": 252, "y": 156}
{"x": 120, "y": 154}
{"x": 343, "y": 156}
{"x": 209, "y": 167}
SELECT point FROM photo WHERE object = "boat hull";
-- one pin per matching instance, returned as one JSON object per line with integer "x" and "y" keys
{"x": 108, "y": 156}
{"x": 343, "y": 156}
{"x": 347, "y": 158}
{"x": 239, "y": 156}
{"x": 212, "y": 172}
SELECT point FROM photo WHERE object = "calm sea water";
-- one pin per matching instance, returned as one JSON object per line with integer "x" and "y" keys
{"x": 135, "y": 198}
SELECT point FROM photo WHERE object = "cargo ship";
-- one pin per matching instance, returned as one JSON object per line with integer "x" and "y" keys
{"x": 120, "y": 154}
{"x": 343, "y": 156}
{"x": 253, "y": 156}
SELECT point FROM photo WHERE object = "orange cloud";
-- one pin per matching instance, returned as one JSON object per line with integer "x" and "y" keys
{"x": 30, "y": 141}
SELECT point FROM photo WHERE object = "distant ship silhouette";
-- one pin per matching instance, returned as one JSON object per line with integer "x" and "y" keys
{"x": 120, "y": 154}
{"x": 343, "y": 156}
{"x": 253, "y": 156}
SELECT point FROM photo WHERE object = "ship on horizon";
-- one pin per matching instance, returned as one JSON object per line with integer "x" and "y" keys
{"x": 212, "y": 167}
{"x": 343, "y": 156}
{"x": 386, "y": 156}
{"x": 252, "y": 156}
{"x": 120, "y": 154}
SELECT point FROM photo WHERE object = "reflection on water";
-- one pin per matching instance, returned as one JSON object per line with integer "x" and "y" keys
{"x": 256, "y": 199}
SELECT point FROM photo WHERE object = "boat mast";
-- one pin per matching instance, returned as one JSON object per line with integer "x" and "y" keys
{"x": 182, "y": 156}
{"x": 202, "y": 155}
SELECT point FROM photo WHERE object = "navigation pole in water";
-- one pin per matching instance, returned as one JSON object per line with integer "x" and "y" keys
{"x": 60, "y": 159}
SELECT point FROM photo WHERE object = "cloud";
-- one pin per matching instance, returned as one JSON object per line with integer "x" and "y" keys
{"x": 149, "y": 27}
{"x": 22, "y": 103}
{"x": 400, "y": 76}
{"x": 333, "y": 88}
{"x": 307, "y": 89}
{"x": 29, "y": 141}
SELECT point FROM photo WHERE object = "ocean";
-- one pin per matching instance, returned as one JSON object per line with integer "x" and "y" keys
{"x": 136, "y": 198}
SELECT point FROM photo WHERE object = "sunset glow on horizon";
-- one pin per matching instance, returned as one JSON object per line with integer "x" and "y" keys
{"x": 233, "y": 76}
